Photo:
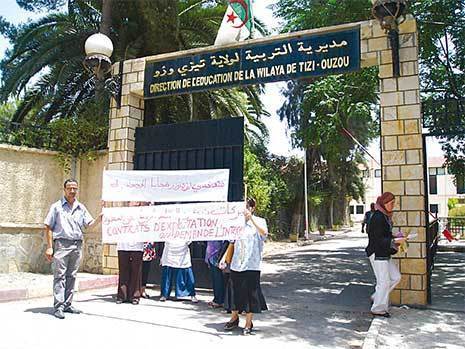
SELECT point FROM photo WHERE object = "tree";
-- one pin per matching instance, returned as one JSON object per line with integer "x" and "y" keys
{"x": 45, "y": 64}
{"x": 441, "y": 26}
{"x": 276, "y": 183}
{"x": 318, "y": 110}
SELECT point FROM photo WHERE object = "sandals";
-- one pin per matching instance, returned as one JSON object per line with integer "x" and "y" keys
{"x": 247, "y": 330}
{"x": 230, "y": 325}
{"x": 386, "y": 314}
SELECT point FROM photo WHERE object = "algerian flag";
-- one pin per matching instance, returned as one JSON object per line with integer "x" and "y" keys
{"x": 237, "y": 22}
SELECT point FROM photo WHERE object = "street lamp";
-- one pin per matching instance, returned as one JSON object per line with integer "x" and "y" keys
{"x": 99, "y": 48}
{"x": 391, "y": 13}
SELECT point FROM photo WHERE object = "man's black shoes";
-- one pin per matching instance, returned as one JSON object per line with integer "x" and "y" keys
{"x": 59, "y": 314}
{"x": 72, "y": 310}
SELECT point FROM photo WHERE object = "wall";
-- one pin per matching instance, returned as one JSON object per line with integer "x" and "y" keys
{"x": 30, "y": 181}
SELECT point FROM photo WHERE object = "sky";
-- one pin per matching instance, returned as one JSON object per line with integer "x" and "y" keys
{"x": 280, "y": 143}
{"x": 14, "y": 14}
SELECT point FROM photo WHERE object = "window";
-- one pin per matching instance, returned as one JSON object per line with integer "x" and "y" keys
{"x": 365, "y": 173}
{"x": 434, "y": 208}
{"x": 377, "y": 173}
{"x": 360, "y": 209}
{"x": 460, "y": 184}
{"x": 440, "y": 171}
{"x": 433, "y": 184}
{"x": 351, "y": 209}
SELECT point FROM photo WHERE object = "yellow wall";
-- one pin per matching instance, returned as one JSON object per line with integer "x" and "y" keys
{"x": 30, "y": 181}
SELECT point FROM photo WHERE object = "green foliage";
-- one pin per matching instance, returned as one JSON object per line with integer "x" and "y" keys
{"x": 458, "y": 211}
{"x": 308, "y": 14}
{"x": 319, "y": 109}
{"x": 44, "y": 66}
{"x": 452, "y": 203}
{"x": 7, "y": 110}
{"x": 257, "y": 186}
{"x": 442, "y": 67}
{"x": 276, "y": 183}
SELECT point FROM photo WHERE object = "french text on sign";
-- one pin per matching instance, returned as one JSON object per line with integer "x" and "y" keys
{"x": 182, "y": 222}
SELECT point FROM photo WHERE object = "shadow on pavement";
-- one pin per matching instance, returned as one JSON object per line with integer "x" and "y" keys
{"x": 45, "y": 311}
{"x": 448, "y": 281}
{"x": 160, "y": 324}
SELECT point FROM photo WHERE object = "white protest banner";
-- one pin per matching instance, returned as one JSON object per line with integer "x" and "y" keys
{"x": 185, "y": 222}
{"x": 166, "y": 186}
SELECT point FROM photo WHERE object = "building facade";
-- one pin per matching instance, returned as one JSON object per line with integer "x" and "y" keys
{"x": 442, "y": 187}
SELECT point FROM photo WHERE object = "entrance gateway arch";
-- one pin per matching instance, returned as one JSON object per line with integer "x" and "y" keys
{"x": 317, "y": 52}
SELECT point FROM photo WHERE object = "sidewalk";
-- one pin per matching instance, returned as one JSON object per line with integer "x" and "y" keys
{"x": 440, "y": 325}
{"x": 21, "y": 286}
{"x": 313, "y": 293}
{"x": 417, "y": 329}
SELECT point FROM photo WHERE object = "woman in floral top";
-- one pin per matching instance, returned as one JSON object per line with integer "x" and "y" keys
{"x": 147, "y": 258}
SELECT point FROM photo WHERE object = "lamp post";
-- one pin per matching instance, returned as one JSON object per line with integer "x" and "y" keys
{"x": 391, "y": 13}
{"x": 306, "y": 196}
{"x": 99, "y": 48}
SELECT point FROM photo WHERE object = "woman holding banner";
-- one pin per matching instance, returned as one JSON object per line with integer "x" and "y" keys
{"x": 212, "y": 258}
{"x": 245, "y": 271}
{"x": 130, "y": 269}
{"x": 177, "y": 270}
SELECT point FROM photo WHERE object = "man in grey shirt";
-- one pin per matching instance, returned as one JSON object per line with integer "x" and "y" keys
{"x": 64, "y": 227}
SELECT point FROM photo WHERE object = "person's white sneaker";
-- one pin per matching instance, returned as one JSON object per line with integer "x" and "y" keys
{"x": 194, "y": 299}
{"x": 162, "y": 299}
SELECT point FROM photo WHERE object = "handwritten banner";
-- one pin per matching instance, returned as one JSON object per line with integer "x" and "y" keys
{"x": 301, "y": 56}
{"x": 186, "y": 222}
{"x": 166, "y": 186}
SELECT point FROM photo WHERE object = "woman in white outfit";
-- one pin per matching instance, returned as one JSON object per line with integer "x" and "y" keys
{"x": 247, "y": 295}
{"x": 381, "y": 245}
{"x": 177, "y": 271}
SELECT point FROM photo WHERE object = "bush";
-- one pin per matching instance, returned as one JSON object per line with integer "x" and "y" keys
{"x": 457, "y": 211}
{"x": 452, "y": 202}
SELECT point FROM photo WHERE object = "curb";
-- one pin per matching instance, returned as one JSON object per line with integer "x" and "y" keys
{"x": 12, "y": 295}
{"x": 82, "y": 285}
{"x": 451, "y": 248}
{"x": 101, "y": 282}
{"x": 373, "y": 332}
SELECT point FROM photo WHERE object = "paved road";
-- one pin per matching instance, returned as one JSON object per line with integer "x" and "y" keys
{"x": 318, "y": 296}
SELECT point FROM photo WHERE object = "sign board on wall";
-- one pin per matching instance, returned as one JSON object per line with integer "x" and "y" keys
{"x": 288, "y": 58}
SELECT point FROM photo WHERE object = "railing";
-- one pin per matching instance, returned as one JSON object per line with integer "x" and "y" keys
{"x": 432, "y": 238}
{"x": 28, "y": 135}
{"x": 455, "y": 225}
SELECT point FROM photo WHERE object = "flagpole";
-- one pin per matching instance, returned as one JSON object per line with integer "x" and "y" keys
{"x": 359, "y": 144}
{"x": 252, "y": 32}
{"x": 306, "y": 195}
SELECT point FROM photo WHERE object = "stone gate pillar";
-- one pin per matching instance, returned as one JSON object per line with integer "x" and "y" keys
{"x": 121, "y": 136}
{"x": 402, "y": 149}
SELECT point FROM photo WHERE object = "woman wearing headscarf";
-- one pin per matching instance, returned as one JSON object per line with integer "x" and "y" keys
{"x": 148, "y": 256}
{"x": 381, "y": 245}
{"x": 245, "y": 270}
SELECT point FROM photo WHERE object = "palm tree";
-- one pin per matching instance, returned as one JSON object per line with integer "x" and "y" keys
{"x": 44, "y": 66}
